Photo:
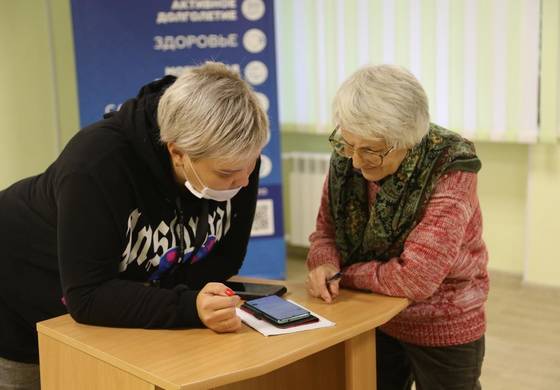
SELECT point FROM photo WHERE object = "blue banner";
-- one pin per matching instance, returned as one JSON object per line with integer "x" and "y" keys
{"x": 121, "y": 45}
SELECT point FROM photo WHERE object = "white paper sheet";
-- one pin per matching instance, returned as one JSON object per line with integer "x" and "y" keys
{"x": 268, "y": 329}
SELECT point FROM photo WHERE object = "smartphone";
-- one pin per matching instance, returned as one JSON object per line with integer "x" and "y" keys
{"x": 255, "y": 290}
{"x": 278, "y": 311}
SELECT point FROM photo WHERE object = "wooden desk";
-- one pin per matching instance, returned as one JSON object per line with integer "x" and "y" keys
{"x": 75, "y": 356}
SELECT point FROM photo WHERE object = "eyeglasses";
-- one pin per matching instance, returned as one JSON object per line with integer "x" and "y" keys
{"x": 372, "y": 158}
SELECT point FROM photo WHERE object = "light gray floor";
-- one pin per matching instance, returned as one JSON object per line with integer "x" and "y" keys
{"x": 523, "y": 337}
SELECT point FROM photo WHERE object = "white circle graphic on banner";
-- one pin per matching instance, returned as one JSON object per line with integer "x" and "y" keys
{"x": 256, "y": 72}
{"x": 253, "y": 9}
{"x": 254, "y": 40}
{"x": 266, "y": 166}
{"x": 268, "y": 135}
{"x": 263, "y": 100}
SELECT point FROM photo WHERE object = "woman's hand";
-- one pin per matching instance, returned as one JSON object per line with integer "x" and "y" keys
{"x": 216, "y": 304}
{"x": 317, "y": 284}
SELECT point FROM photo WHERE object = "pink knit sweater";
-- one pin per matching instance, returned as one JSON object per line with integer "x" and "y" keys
{"x": 442, "y": 269}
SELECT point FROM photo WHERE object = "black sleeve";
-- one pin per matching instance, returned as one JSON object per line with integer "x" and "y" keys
{"x": 89, "y": 248}
{"x": 227, "y": 258}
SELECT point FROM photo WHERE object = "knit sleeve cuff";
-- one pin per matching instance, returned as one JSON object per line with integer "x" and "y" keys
{"x": 323, "y": 255}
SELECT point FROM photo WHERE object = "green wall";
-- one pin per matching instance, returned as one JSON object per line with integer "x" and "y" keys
{"x": 63, "y": 48}
{"x": 38, "y": 98}
{"x": 502, "y": 189}
{"x": 519, "y": 185}
{"x": 543, "y": 210}
{"x": 26, "y": 106}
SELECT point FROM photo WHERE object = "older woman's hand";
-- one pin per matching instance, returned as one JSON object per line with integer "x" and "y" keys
{"x": 317, "y": 284}
{"x": 216, "y": 308}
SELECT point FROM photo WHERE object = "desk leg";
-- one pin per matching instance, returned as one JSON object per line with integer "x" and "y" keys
{"x": 360, "y": 362}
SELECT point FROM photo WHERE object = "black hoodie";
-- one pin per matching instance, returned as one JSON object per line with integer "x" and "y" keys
{"x": 86, "y": 235}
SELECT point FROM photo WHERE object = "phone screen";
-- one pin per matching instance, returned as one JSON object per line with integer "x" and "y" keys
{"x": 255, "y": 290}
{"x": 277, "y": 309}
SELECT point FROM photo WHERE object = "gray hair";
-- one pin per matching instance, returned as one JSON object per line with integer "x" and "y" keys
{"x": 210, "y": 112}
{"x": 383, "y": 101}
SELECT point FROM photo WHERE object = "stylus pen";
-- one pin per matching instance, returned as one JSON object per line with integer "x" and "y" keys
{"x": 336, "y": 276}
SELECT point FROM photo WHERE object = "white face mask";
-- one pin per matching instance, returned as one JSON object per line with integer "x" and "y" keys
{"x": 209, "y": 193}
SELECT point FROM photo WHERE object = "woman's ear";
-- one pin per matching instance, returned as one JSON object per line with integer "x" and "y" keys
{"x": 175, "y": 154}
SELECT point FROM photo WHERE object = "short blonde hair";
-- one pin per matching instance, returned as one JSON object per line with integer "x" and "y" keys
{"x": 210, "y": 112}
{"x": 383, "y": 101}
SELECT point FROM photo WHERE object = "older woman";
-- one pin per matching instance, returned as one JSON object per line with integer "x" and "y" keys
{"x": 400, "y": 216}
{"x": 136, "y": 217}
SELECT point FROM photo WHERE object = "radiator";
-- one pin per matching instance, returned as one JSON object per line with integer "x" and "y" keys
{"x": 306, "y": 175}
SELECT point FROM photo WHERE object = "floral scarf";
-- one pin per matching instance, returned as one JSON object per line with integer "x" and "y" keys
{"x": 379, "y": 233}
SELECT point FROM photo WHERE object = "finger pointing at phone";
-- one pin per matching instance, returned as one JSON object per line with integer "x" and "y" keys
{"x": 216, "y": 304}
